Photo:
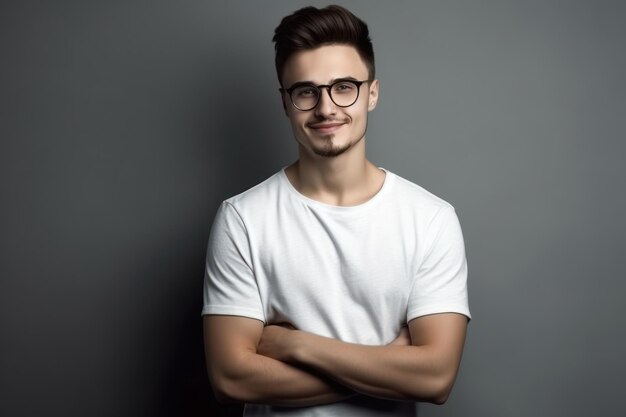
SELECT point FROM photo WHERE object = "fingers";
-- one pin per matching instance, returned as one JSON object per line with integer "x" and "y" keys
{"x": 403, "y": 338}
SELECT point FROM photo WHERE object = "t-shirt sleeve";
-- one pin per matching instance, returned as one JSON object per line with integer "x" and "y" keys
{"x": 440, "y": 285}
{"x": 230, "y": 287}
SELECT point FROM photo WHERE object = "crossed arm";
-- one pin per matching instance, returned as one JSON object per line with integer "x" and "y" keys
{"x": 248, "y": 362}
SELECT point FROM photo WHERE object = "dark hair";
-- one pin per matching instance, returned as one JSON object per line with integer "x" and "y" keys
{"x": 310, "y": 28}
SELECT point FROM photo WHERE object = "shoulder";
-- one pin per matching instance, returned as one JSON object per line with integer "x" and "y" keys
{"x": 257, "y": 197}
{"x": 237, "y": 213}
{"x": 405, "y": 193}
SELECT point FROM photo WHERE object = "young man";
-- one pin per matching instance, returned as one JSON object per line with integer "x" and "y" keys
{"x": 333, "y": 288}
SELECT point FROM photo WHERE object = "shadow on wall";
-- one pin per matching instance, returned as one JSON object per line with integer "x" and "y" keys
{"x": 242, "y": 141}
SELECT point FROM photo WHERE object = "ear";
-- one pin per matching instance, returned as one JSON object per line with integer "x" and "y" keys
{"x": 372, "y": 96}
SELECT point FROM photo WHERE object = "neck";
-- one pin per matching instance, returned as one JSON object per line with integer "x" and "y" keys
{"x": 345, "y": 180}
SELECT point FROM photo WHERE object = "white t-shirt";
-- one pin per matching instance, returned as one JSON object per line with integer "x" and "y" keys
{"x": 356, "y": 273}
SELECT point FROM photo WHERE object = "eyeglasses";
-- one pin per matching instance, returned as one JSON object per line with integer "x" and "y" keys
{"x": 306, "y": 96}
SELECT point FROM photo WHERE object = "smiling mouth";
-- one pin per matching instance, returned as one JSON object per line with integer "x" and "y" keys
{"x": 326, "y": 127}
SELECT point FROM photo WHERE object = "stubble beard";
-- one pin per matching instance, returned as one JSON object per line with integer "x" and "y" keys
{"x": 329, "y": 150}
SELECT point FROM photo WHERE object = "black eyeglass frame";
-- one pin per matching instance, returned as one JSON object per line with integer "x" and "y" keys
{"x": 328, "y": 88}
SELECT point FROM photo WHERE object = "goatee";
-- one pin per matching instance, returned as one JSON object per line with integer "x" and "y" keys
{"x": 331, "y": 151}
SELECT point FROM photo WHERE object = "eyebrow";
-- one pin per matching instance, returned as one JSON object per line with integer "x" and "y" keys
{"x": 334, "y": 80}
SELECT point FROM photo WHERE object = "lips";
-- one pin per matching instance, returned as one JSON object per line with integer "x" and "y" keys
{"x": 326, "y": 127}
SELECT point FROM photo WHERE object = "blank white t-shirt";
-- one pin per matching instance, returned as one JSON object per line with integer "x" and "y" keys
{"x": 356, "y": 273}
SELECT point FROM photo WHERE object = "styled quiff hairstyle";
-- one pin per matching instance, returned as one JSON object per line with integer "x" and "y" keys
{"x": 310, "y": 28}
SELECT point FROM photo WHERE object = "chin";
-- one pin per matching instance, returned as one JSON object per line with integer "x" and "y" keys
{"x": 331, "y": 151}
{"x": 330, "y": 146}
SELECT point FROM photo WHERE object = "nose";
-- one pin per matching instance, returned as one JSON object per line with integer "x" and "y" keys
{"x": 325, "y": 106}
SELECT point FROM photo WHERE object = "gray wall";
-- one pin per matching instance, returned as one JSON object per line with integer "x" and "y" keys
{"x": 123, "y": 125}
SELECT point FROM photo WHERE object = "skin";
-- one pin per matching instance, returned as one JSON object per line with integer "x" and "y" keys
{"x": 280, "y": 365}
{"x": 347, "y": 178}
{"x": 423, "y": 370}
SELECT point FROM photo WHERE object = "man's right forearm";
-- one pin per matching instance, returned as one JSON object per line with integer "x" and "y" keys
{"x": 258, "y": 379}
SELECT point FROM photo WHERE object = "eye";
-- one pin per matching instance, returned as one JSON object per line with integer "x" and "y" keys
{"x": 344, "y": 87}
{"x": 305, "y": 91}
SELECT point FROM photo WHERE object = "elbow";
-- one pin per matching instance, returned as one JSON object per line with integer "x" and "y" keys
{"x": 437, "y": 391}
{"x": 223, "y": 397}
{"x": 232, "y": 383}
{"x": 441, "y": 397}
{"x": 227, "y": 391}
{"x": 439, "y": 384}
{"x": 442, "y": 388}
{"x": 439, "y": 394}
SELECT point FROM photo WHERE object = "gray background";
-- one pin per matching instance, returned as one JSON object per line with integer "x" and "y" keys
{"x": 123, "y": 125}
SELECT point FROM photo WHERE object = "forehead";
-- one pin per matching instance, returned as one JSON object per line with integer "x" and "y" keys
{"x": 323, "y": 64}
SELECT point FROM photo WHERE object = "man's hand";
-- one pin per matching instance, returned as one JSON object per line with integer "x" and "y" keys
{"x": 278, "y": 342}
{"x": 403, "y": 339}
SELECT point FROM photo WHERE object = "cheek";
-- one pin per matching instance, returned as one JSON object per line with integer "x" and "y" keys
{"x": 297, "y": 122}
{"x": 359, "y": 114}
{"x": 299, "y": 119}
